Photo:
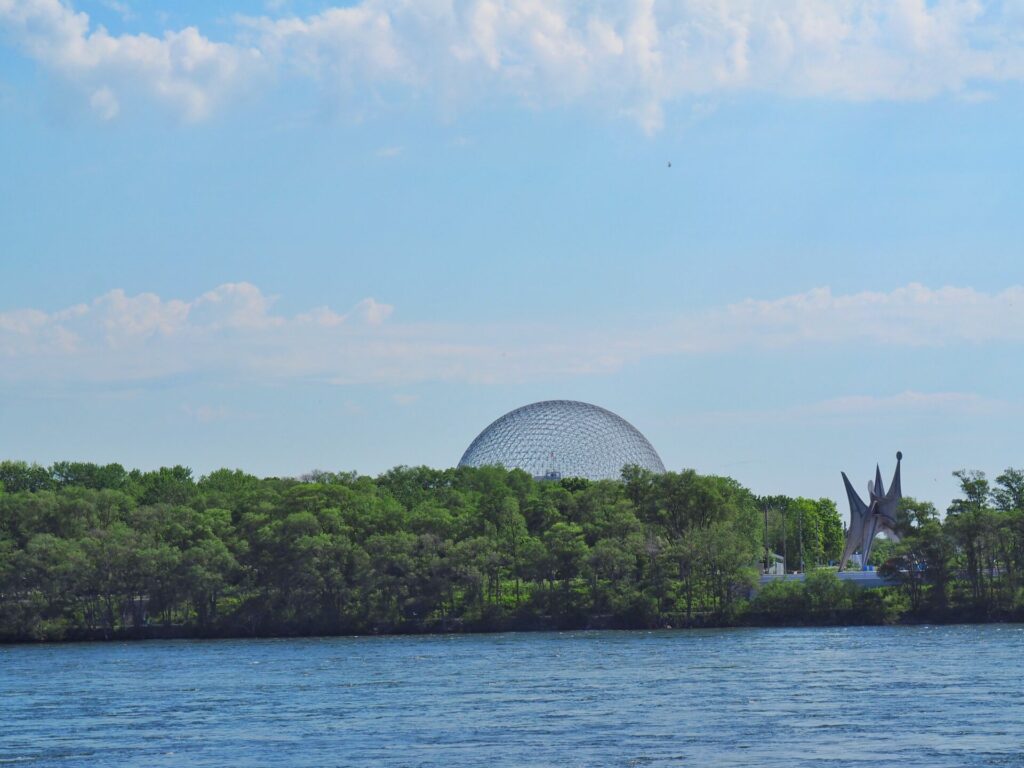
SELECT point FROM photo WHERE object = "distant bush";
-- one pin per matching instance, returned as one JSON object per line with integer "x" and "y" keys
{"x": 823, "y": 598}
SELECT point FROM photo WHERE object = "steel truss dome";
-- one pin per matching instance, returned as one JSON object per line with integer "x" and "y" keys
{"x": 563, "y": 438}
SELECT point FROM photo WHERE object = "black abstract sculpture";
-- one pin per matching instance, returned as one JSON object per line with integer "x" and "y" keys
{"x": 868, "y": 520}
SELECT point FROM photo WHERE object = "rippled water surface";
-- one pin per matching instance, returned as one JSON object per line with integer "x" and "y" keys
{"x": 920, "y": 696}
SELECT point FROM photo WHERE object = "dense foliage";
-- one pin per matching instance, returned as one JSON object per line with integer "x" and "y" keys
{"x": 97, "y": 551}
{"x": 968, "y": 566}
{"x": 94, "y": 551}
{"x": 971, "y": 564}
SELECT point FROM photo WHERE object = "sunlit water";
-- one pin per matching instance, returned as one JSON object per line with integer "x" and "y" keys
{"x": 920, "y": 696}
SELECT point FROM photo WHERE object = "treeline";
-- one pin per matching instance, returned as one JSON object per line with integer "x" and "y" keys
{"x": 89, "y": 551}
{"x": 98, "y": 551}
{"x": 968, "y": 566}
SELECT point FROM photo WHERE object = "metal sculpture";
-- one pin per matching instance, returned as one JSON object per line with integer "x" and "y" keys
{"x": 563, "y": 438}
{"x": 869, "y": 520}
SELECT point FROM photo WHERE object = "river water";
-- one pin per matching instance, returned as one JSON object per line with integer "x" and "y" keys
{"x": 919, "y": 696}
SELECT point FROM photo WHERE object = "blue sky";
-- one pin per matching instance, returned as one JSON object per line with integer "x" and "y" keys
{"x": 284, "y": 236}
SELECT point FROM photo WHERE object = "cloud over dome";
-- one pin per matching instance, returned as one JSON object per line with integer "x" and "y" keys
{"x": 233, "y": 330}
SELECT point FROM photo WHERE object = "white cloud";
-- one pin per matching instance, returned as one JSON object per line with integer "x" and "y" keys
{"x": 105, "y": 103}
{"x": 234, "y": 305}
{"x": 859, "y": 410}
{"x": 124, "y": 10}
{"x": 373, "y": 312}
{"x": 124, "y": 318}
{"x": 230, "y": 329}
{"x": 206, "y": 414}
{"x": 909, "y": 401}
{"x": 233, "y": 331}
{"x": 340, "y": 46}
{"x": 630, "y": 58}
{"x": 369, "y": 311}
{"x": 913, "y": 315}
{"x": 182, "y": 68}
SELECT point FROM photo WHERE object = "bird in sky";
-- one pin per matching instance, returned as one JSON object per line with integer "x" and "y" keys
{"x": 669, "y": 163}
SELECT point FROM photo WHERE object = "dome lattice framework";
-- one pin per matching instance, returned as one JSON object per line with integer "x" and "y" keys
{"x": 563, "y": 438}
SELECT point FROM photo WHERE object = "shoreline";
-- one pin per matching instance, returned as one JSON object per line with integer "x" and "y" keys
{"x": 144, "y": 634}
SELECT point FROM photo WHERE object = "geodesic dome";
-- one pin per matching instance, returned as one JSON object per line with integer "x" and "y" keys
{"x": 563, "y": 438}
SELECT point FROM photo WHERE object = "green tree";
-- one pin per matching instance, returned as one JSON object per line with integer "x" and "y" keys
{"x": 18, "y": 476}
{"x": 1009, "y": 491}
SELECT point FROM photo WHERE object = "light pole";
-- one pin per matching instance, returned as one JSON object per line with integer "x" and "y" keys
{"x": 800, "y": 537}
{"x": 767, "y": 551}
{"x": 785, "y": 558}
